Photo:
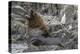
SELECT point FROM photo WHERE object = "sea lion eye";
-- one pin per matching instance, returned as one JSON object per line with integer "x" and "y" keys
{"x": 35, "y": 14}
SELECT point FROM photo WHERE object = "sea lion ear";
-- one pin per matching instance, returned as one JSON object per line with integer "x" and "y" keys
{"x": 32, "y": 12}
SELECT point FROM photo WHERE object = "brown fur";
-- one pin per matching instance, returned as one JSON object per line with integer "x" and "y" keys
{"x": 36, "y": 21}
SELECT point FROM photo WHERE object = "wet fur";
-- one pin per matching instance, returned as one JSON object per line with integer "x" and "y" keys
{"x": 36, "y": 21}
